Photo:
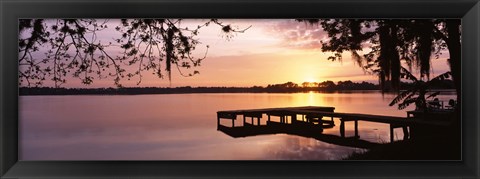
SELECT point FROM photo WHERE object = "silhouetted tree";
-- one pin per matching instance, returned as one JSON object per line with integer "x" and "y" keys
{"x": 290, "y": 85}
{"x": 329, "y": 85}
{"x": 306, "y": 84}
{"x": 345, "y": 85}
{"x": 72, "y": 47}
{"x": 392, "y": 41}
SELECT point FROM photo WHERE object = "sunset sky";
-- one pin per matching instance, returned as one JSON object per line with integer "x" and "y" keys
{"x": 271, "y": 51}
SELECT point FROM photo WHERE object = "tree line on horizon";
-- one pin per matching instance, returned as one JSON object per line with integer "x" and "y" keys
{"x": 288, "y": 87}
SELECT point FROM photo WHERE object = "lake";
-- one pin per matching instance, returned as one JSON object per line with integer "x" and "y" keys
{"x": 184, "y": 126}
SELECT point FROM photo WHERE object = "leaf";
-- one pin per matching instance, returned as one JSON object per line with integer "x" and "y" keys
{"x": 406, "y": 103}
{"x": 402, "y": 95}
{"x": 433, "y": 94}
{"x": 442, "y": 76}
{"x": 407, "y": 74}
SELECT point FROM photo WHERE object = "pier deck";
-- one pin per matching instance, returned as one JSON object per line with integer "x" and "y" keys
{"x": 313, "y": 116}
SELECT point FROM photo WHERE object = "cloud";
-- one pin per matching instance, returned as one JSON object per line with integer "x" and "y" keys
{"x": 299, "y": 35}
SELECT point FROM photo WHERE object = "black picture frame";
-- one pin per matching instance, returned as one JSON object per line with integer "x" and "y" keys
{"x": 467, "y": 10}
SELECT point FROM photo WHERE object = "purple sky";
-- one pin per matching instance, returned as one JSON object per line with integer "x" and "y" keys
{"x": 271, "y": 51}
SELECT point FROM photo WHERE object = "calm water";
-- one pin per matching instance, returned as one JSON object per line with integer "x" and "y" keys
{"x": 183, "y": 126}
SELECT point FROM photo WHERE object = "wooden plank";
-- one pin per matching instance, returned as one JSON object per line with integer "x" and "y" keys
{"x": 253, "y": 114}
{"x": 263, "y": 110}
{"x": 319, "y": 111}
{"x": 373, "y": 118}
{"x": 226, "y": 115}
{"x": 278, "y": 113}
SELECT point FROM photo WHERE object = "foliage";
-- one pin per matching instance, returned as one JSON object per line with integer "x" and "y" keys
{"x": 391, "y": 42}
{"x": 418, "y": 92}
{"x": 73, "y": 47}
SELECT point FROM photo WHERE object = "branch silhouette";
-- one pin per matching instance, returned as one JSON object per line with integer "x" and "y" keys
{"x": 391, "y": 42}
{"x": 72, "y": 46}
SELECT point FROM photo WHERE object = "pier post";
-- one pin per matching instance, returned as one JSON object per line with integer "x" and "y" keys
{"x": 356, "y": 129}
{"x": 405, "y": 133}
{"x": 342, "y": 128}
{"x": 268, "y": 118}
{"x": 218, "y": 122}
{"x": 258, "y": 120}
{"x": 391, "y": 133}
{"x": 233, "y": 122}
{"x": 244, "y": 120}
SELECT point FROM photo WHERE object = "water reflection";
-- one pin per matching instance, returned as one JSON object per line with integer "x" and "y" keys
{"x": 295, "y": 148}
{"x": 305, "y": 130}
{"x": 179, "y": 126}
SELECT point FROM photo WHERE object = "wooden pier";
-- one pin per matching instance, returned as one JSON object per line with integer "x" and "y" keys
{"x": 312, "y": 118}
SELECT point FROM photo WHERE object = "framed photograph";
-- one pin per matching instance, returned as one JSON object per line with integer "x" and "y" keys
{"x": 239, "y": 89}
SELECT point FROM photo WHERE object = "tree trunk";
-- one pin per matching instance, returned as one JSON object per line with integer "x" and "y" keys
{"x": 454, "y": 48}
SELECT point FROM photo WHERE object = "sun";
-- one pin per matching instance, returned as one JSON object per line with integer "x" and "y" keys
{"x": 310, "y": 80}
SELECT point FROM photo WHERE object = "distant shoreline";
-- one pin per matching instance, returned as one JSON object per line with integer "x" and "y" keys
{"x": 43, "y": 91}
{"x": 289, "y": 87}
